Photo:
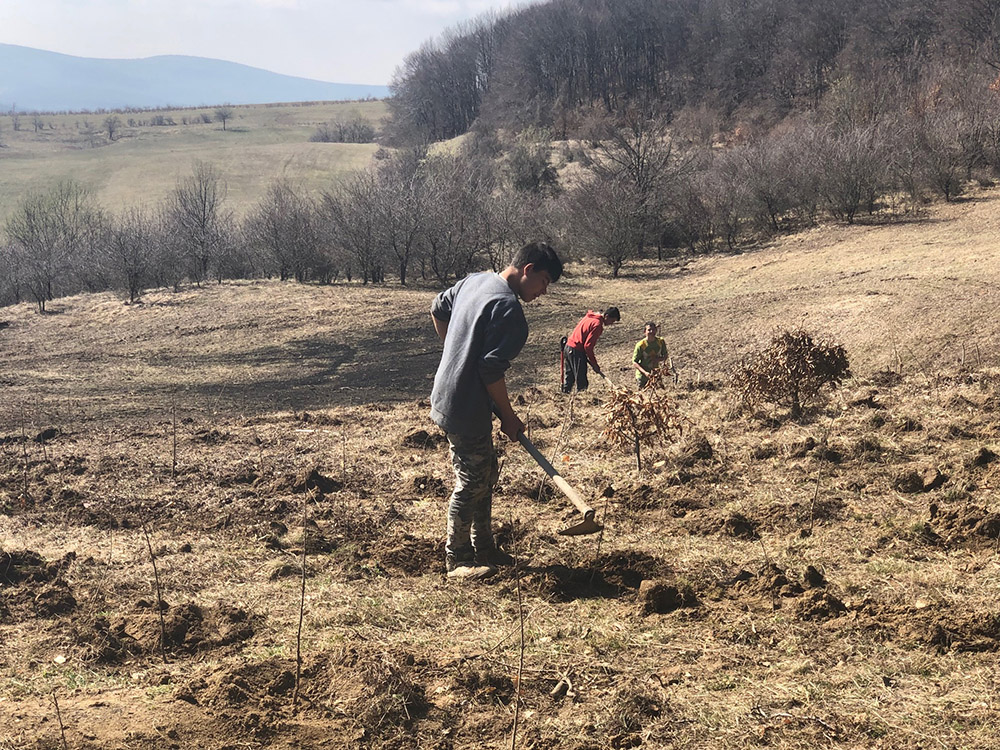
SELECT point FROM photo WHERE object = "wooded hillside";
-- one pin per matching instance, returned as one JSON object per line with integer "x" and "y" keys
{"x": 747, "y": 60}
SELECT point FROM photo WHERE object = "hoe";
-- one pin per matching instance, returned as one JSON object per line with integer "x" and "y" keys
{"x": 588, "y": 525}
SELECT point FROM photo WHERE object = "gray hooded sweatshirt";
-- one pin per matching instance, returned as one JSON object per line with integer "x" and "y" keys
{"x": 486, "y": 330}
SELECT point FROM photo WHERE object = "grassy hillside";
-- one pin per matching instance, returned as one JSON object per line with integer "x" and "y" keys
{"x": 828, "y": 581}
{"x": 260, "y": 144}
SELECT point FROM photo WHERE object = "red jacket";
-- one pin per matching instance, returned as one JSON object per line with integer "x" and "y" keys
{"x": 585, "y": 335}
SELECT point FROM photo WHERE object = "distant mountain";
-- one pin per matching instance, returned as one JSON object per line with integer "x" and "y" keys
{"x": 36, "y": 80}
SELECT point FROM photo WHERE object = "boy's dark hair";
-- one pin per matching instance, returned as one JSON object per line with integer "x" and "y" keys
{"x": 612, "y": 314}
{"x": 542, "y": 256}
{"x": 648, "y": 324}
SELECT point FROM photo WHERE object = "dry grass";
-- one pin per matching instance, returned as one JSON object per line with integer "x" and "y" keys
{"x": 262, "y": 143}
{"x": 885, "y": 490}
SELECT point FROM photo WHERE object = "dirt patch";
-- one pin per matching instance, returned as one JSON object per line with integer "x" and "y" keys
{"x": 934, "y": 626}
{"x": 967, "y": 525}
{"x": 308, "y": 480}
{"x": 424, "y": 440}
{"x": 409, "y": 556}
{"x": 694, "y": 448}
{"x": 713, "y": 522}
{"x": 428, "y": 486}
{"x": 30, "y": 586}
{"x": 611, "y": 576}
{"x": 188, "y": 629}
{"x": 365, "y": 694}
{"x": 661, "y": 597}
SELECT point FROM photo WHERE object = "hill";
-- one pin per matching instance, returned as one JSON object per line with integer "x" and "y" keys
{"x": 763, "y": 581}
{"x": 33, "y": 80}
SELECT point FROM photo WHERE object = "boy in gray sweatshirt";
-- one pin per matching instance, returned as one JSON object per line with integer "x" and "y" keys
{"x": 483, "y": 328}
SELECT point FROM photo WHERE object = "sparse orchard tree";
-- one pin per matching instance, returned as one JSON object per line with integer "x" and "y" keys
{"x": 854, "y": 168}
{"x": 282, "y": 228}
{"x": 351, "y": 221}
{"x": 46, "y": 231}
{"x": 223, "y": 114}
{"x": 37, "y": 123}
{"x": 197, "y": 218}
{"x": 399, "y": 201}
{"x": 453, "y": 237}
{"x": 132, "y": 250}
{"x": 10, "y": 275}
{"x": 605, "y": 219}
{"x": 112, "y": 124}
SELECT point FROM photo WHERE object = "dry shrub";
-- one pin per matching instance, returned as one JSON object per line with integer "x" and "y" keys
{"x": 790, "y": 370}
{"x": 643, "y": 418}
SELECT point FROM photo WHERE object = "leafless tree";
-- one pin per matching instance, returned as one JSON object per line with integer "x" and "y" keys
{"x": 350, "y": 217}
{"x": 224, "y": 114}
{"x": 112, "y": 124}
{"x": 453, "y": 238}
{"x": 132, "y": 250}
{"x": 282, "y": 227}
{"x": 46, "y": 230}
{"x": 400, "y": 197}
{"x": 605, "y": 219}
{"x": 198, "y": 218}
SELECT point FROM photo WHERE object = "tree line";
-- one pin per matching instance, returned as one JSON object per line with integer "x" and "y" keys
{"x": 553, "y": 64}
{"x": 636, "y": 185}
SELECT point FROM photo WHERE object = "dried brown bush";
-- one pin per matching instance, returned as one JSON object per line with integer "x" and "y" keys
{"x": 790, "y": 370}
{"x": 646, "y": 417}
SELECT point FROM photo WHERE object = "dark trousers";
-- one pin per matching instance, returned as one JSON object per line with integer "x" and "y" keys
{"x": 574, "y": 370}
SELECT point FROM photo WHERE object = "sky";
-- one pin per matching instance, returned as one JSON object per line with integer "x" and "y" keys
{"x": 340, "y": 41}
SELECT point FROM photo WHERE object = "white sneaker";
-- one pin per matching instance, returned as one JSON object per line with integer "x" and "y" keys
{"x": 471, "y": 572}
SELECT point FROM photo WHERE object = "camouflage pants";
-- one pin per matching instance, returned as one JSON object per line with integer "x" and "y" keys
{"x": 471, "y": 508}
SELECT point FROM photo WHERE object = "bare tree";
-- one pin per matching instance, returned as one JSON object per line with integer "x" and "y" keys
{"x": 282, "y": 227}
{"x": 223, "y": 114}
{"x": 198, "y": 219}
{"x": 46, "y": 231}
{"x": 350, "y": 215}
{"x": 453, "y": 238}
{"x": 605, "y": 219}
{"x": 132, "y": 250}
{"x": 112, "y": 124}
{"x": 399, "y": 201}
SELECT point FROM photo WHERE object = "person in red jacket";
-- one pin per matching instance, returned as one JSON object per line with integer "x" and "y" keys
{"x": 580, "y": 347}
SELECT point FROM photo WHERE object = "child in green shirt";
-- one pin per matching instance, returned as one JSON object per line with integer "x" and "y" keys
{"x": 649, "y": 353}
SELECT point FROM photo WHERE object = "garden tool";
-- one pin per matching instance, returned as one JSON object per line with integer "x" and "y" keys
{"x": 588, "y": 525}
{"x": 562, "y": 361}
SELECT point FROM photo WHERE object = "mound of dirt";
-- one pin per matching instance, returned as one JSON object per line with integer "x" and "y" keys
{"x": 188, "y": 629}
{"x": 817, "y": 604}
{"x": 968, "y": 525}
{"x": 424, "y": 440}
{"x": 710, "y": 522}
{"x": 637, "y": 497}
{"x": 428, "y": 486}
{"x": 694, "y": 448}
{"x": 104, "y": 642}
{"x": 376, "y": 692}
{"x": 918, "y": 479}
{"x": 610, "y": 576}
{"x": 409, "y": 555}
{"x": 30, "y": 586}
{"x": 307, "y": 480}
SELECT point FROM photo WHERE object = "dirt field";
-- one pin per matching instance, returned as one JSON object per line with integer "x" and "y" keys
{"x": 765, "y": 583}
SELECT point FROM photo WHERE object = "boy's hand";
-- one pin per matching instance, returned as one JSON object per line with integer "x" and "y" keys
{"x": 512, "y": 426}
